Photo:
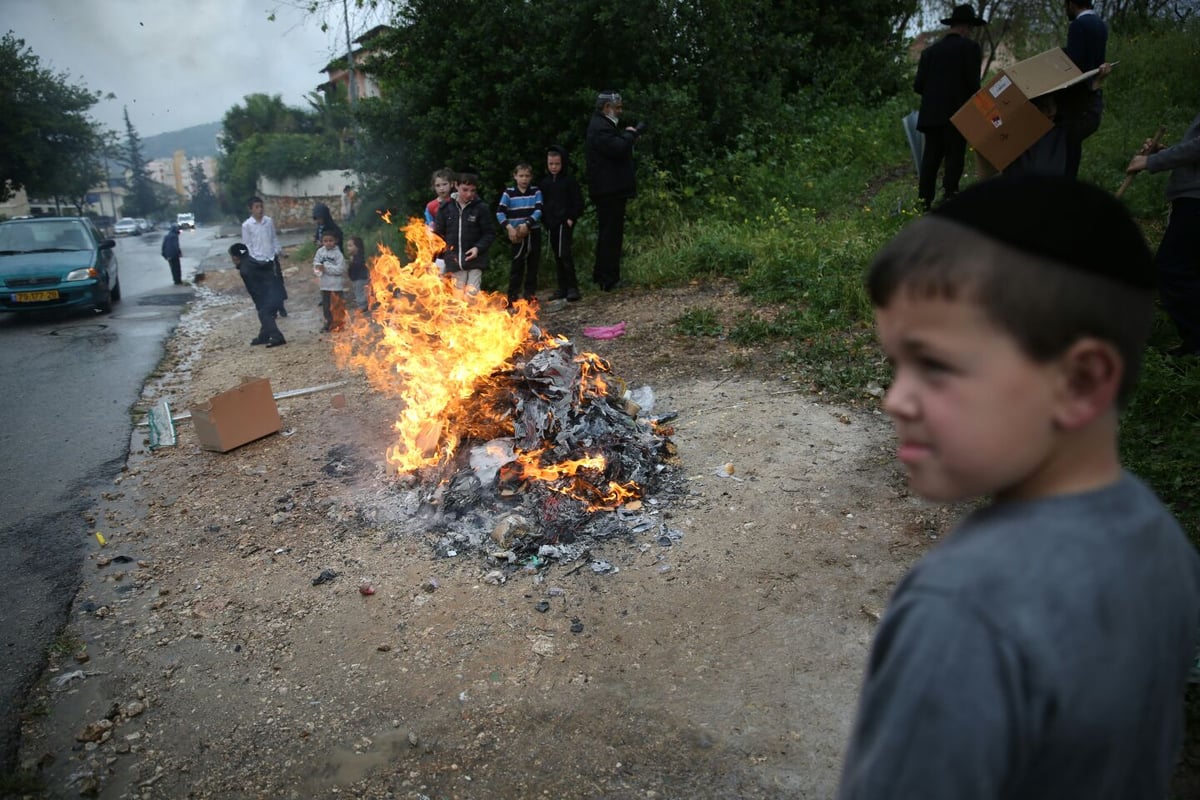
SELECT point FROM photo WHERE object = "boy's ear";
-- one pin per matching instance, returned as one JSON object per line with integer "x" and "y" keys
{"x": 1091, "y": 371}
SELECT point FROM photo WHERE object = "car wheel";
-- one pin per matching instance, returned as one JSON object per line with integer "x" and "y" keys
{"x": 115, "y": 294}
{"x": 105, "y": 306}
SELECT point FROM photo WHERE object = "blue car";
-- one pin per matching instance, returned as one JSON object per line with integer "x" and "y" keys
{"x": 56, "y": 262}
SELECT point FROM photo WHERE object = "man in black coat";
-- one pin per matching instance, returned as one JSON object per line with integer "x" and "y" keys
{"x": 172, "y": 253}
{"x": 947, "y": 77}
{"x": 1083, "y": 104}
{"x": 611, "y": 183}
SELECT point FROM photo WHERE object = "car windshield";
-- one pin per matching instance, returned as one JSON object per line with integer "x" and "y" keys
{"x": 33, "y": 237}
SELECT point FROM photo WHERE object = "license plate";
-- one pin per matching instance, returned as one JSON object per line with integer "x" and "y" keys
{"x": 35, "y": 297}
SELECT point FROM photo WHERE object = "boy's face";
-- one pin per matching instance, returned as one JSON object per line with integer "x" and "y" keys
{"x": 441, "y": 187}
{"x": 256, "y": 211}
{"x": 523, "y": 177}
{"x": 553, "y": 163}
{"x": 329, "y": 241}
{"x": 466, "y": 193}
{"x": 973, "y": 414}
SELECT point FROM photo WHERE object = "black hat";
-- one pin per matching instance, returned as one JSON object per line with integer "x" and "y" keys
{"x": 963, "y": 15}
{"x": 1073, "y": 223}
{"x": 239, "y": 250}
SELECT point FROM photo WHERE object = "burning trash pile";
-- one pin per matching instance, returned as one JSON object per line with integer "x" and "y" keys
{"x": 513, "y": 441}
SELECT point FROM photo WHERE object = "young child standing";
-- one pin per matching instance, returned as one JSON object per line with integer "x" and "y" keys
{"x": 329, "y": 265}
{"x": 562, "y": 205}
{"x": 468, "y": 231}
{"x": 519, "y": 212}
{"x": 359, "y": 276}
{"x": 1042, "y": 650}
{"x": 443, "y": 184}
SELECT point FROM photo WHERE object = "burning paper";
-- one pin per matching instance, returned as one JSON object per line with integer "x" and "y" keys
{"x": 465, "y": 367}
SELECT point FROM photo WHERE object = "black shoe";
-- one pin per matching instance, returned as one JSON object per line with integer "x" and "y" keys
{"x": 282, "y": 311}
{"x": 559, "y": 296}
{"x": 608, "y": 287}
{"x": 258, "y": 340}
{"x": 573, "y": 296}
{"x": 276, "y": 342}
{"x": 324, "y": 329}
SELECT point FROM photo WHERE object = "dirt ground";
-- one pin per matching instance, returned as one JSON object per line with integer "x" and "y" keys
{"x": 202, "y": 661}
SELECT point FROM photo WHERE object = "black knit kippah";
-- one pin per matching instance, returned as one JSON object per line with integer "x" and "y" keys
{"x": 1074, "y": 223}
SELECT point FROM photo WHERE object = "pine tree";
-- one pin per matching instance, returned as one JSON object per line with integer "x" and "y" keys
{"x": 141, "y": 200}
{"x": 204, "y": 202}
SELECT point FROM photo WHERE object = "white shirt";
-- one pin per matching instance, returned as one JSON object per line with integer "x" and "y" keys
{"x": 259, "y": 238}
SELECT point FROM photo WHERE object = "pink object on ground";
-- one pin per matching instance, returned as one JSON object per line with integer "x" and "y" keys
{"x": 605, "y": 331}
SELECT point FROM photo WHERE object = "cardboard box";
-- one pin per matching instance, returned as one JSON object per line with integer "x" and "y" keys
{"x": 1001, "y": 120}
{"x": 240, "y": 415}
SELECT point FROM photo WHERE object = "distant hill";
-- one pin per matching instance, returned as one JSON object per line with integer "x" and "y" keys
{"x": 197, "y": 141}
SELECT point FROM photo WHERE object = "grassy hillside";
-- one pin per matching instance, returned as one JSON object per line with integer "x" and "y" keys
{"x": 197, "y": 141}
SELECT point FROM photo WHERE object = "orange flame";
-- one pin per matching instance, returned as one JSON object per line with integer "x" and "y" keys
{"x": 444, "y": 353}
{"x": 429, "y": 344}
{"x": 567, "y": 477}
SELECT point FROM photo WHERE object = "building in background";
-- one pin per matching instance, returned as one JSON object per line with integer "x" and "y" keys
{"x": 339, "y": 76}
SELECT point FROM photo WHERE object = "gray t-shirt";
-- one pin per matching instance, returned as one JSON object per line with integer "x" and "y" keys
{"x": 1041, "y": 651}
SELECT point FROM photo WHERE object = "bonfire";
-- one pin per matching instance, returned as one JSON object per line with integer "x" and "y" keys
{"x": 491, "y": 408}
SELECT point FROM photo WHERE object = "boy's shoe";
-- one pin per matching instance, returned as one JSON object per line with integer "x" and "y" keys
{"x": 258, "y": 340}
{"x": 276, "y": 342}
{"x": 282, "y": 311}
{"x": 573, "y": 296}
{"x": 559, "y": 295}
{"x": 324, "y": 329}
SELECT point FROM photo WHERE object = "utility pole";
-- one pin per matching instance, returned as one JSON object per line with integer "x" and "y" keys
{"x": 349, "y": 54}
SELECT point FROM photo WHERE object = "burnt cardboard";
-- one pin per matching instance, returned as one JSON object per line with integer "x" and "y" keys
{"x": 238, "y": 416}
{"x": 1001, "y": 121}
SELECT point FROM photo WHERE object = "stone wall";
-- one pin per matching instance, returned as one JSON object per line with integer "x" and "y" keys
{"x": 296, "y": 212}
{"x": 290, "y": 203}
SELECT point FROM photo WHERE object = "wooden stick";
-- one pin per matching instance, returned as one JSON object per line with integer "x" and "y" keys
{"x": 1146, "y": 149}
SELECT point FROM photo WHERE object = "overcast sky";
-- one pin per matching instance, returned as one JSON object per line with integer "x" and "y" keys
{"x": 177, "y": 63}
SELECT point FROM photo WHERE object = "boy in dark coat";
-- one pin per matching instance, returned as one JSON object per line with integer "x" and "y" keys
{"x": 562, "y": 205}
{"x": 468, "y": 228}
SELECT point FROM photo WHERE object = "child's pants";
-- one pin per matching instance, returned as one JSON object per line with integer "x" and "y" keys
{"x": 526, "y": 258}
{"x": 334, "y": 310}
{"x": 359, "y": 285}
{"x": 561, "y": 240}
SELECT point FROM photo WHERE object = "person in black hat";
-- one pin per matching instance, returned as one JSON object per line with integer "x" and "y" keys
{"x": 1083, "y": 104}
{"x": 947, "y": 77}
{"x": 172, "y": 253}
{"x": 1016, "y": 658}
{"x": 612, "y": 182}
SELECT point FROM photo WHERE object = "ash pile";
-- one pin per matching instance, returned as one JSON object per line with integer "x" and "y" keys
{"x": 558, "y": 454}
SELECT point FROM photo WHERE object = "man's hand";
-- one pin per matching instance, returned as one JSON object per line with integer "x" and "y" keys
{"x": 1136, "y": 165}
{"x": 471, "y": 254}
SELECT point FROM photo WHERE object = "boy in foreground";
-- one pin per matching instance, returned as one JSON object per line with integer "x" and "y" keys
{"x": 467, "y": 228}
{"x": 1042, "y": 650}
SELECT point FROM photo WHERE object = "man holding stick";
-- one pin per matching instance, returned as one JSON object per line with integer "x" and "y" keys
{"x": 1177, "y": 262}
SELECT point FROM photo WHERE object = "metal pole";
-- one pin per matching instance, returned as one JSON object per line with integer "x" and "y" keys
{"x": 349, "y": 54}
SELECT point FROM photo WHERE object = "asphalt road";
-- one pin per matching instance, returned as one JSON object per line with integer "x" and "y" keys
{"x": 65, "y": 425}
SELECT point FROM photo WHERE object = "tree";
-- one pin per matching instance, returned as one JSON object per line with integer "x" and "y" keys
{"x": 48, "y": 144}
{"x": 142, "y": 200}
{"x": 709, "y": 75}
{"x": 267, "y": 137}
{"x": 204, "y": 202}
